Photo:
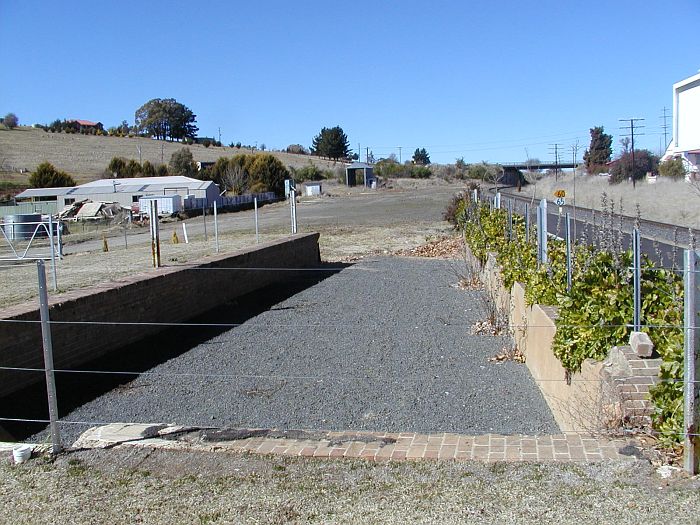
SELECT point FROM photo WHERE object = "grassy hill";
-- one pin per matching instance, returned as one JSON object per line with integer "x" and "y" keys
{"x": 86, "y": 156}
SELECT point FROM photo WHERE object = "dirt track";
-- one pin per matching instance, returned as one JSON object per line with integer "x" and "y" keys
{"x": 352, "y": 224}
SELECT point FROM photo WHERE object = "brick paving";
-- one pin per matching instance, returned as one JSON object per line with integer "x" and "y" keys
{"x": 386, "y": 446}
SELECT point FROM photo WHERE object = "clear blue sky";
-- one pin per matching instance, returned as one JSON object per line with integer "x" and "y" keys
{"x": 482, "y": 79}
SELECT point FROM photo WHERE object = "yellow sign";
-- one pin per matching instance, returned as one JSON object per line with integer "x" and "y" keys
{"x": 560, "y": 193}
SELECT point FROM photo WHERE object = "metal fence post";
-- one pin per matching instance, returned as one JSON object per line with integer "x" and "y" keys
{"x": 637, "y": 272}
{"x": 204, "y": 218}
{"x": 568, "y": 251}
{"x": 510, "y": 219}
{"x": 293, "y": 209}
{"x": 257, "y": 233}
{"x": 542, "y": 232}
{"x": 527, "y": 223}
{"x": 184, "y": 233}
{"x": 216, "y": 229}
{"x": 48, "y": 359}
{"x": 53, "y": 255}
{"x": 155, "y": 234}
{"x": 691, "y": 448}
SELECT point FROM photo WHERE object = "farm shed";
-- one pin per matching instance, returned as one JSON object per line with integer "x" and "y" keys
{"x": 126, "y": 192}
{"x": 360, "y": 173}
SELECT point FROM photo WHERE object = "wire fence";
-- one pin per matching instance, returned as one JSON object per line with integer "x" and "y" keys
{"x": 409, "y": 382}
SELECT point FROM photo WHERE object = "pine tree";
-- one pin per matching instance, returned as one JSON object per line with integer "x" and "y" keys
{"x": 331, "y": 143}
{"x": 421, "y": 157}
{"x": 600, "y": 151}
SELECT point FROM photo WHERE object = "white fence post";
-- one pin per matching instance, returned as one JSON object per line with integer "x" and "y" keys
{"x": 257, "y": 233}
{"x": 216, "y": 229}
{"x": 691, "y": 448}
{"x": 542, "y": 232}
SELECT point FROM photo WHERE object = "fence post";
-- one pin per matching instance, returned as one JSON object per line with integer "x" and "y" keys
{"x": 293, "y": 208}
{"x": 510, "y": 219}
{"x": 53, "y": 255}
{"x": 637, "y": 272}
{"x": 542, "y": 232}
{"x": 216, "y": 229}
{"x": 497, "y": 201}
{"x": 691, "y": 448}
{"x": 48, "y": 359}
{"x": 527, "y": 223}
{"x": 204, "y": 218}
{"x": 257, "y": 233}
{"x": 568, "y": 251}
{"x": 155, "y": 234}
{"x": 476, "y": 194}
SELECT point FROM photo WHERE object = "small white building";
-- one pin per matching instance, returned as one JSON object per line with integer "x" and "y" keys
{"x": 686, "y": 125}
{"x": 312, "y": 189}
{"x": 127, "y": 192}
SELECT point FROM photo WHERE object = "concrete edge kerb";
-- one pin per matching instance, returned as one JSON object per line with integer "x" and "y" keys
{"x": 373, "y": 446}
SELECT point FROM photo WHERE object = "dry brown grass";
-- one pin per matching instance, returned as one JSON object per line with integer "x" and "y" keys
{"x": 670, "y": 201}
{"x": 86, "y": 156}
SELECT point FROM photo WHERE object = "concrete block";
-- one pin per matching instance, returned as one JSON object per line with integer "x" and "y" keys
{"x": 641, "y": 344}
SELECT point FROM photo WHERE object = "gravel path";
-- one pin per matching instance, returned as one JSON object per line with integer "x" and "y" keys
{"x": 383, "y": 345}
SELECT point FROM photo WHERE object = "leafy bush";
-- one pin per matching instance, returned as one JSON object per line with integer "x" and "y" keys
{"x": 595, "y": 314}
{"x": 147, "y": 170}
{"x": 10, "y": 121}
{"x": 308, "y": 172}
{"x": 672, "y": 168}
{"x": 47, "y": 176}
{"x": 182, "y": 163}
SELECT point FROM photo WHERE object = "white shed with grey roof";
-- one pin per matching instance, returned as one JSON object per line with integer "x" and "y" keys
{"x": 126, "y": 192}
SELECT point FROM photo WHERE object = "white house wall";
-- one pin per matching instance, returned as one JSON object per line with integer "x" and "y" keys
{"x": 687, "y": 117}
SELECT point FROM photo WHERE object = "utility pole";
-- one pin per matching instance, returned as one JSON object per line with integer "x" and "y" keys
{"x": 556, "y": 159}
{"x": 359, "y": 153}
{"x": 664, "y": 126}
{"x": 219, "y": 134}
{"x": 367, "y": 156}
{"x": 399, "y": 154}
{"x": 631, "y": 135}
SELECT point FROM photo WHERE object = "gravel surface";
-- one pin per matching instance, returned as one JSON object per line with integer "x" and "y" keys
{"x": 383, "y": 345}
{"x": 165, "y": 487}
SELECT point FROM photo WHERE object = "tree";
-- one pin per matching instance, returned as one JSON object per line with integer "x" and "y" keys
{"x": 644, "y": 161}
{"x": 331, "y": 143}
{"x": 599, "y": 152}
{"x": 10, "y": 121}
{"x": 47, "y": 176}
{"x": 421, "y": 157}
{"x": 147, "y": 170}
{"x": 116, "y": 167}
{"x": 672, "y": 168}
{"x": 166, "y": 119}
{"x": 182, "y": 163}
{"x": 267, "y": 173}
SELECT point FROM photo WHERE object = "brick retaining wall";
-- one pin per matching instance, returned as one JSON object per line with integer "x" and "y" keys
{"x": 166, "y": 295}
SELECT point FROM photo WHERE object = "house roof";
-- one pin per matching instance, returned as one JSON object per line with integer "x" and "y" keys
{"x": 359, "y": 165}
{"x": 85, "y": 122}
{"x": 132, "y": 185}
{"x": 43, "y": 192}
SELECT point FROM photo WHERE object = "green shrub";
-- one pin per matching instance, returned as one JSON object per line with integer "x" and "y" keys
{"x": 596, "y": 313}
{"x": 47, "y": 176}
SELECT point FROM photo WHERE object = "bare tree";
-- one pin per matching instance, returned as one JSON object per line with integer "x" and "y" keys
{"x": 235, "y": 179}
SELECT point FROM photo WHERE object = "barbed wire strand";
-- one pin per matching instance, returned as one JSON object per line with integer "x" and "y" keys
{"x": 311, "y": 378}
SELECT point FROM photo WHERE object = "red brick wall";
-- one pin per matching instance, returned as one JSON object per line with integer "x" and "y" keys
{"x": 165, "y": 295}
